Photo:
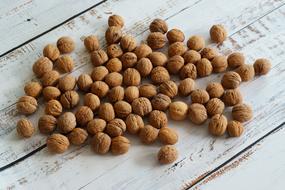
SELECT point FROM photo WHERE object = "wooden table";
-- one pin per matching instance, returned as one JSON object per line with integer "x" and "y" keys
{"x": 255, "y": 160}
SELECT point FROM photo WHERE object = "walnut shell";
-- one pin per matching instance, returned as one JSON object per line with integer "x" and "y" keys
{"x": 167, "y": 154}
{"x": 148, "y": 134}
{"x": 101, "y": 143}
{"x": 175, "y": 35}
{"x": 204, "y": 67}
{"x": 200, "y": 96}
{"x": 196, "y": 43}
{"x": 134, "y": 123}
{"x": 115, "y": 127}
{"x": 42, "y": 66}
{"x": 91, "y": 43}
{"x": 114, "y": 79}
{"x": 114, "y": 50}
{"x": 147, "y": 90}
{"x": 65, "y": 44}
{"x": 129, "y": 59}
{"x": 106, "y": 112}
{"x": 92, "y": 101}
{"x": 113, "y": 35}
{"x": 144, "y": 66}
{"x": 99, "y": 73}
{"x": 219, "y": 64}
{"x": 131, "y": 77}
{"x": 178, "y": 110}
{"x": 84, "y": 82}
{"x": 25, "y": 128}
{"x": 232, "y": 97}
{"x": 66, "y": 83}
{"x": 197, "y": 113}
{"x": 177, "y": 48}
{"x": 174, "y": 64}
{"x": 128, "y": 43}
{"x": 158, "y": 119}
{"x": 191, "y": 56}
{"x": 231, "y": 80}
{"x": 235, "y": 60}
{"x": 78, "y": 136}
{"x": 218, "y": 125}
{"x": 57, "y": 143}
{"x": 116, "y": 94}
{"x": 116, "y": 20}
{"x": 50, "y": 78}
{"x": 169, "y": 88}
{"x": 215, "y": 106}
{"x": 69, "y": 99}
{"x": 99, "y": 57}
{"x": 120, "y": 145}
{"x": 235, "y": 128}
{"x": 218, "y": 33}
{"x": 156, "y": 40}
{"x": 246, "y": 72}
{"x": 66, "y": 122}
{"x": 33, "y": 89}
{"x": 122, "y": 109}
{"x": 215, "y": 90}
{"x": 131, "y": 93}
{"x": 160, "y": 102}
{"x": 47, "y": 124}
{"x": 262, "y": 66}
{"x": 186, "y": 86}
{"x": 242, "y": 112}
{"x": 158, "y": 25}
{"x": 141, "y": 106}
{"x": 100, "y": 89}
{"x": 142, "y": 50}
{"x": 167, "y": 135}
{"x": 65, "y": 63}
{"x": 27, "y": 105}
{"x": 209, "y": 53}
{"x": 114, "y": 65}
{"x": 157, "y": 58}
{"x": 159, "y": 75}
{"x": 96, "y": 125}
{"x": 53, "y": 107}
{"x": 188, "y": 71}
{"x": 51, "y": 51}
{"x": 83, "y": 115}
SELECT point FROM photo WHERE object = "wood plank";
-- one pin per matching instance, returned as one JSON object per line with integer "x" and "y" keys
{"x": 199, "y": 152}
{"x": 22, "y": 20}
{"x": 261, "y": 167}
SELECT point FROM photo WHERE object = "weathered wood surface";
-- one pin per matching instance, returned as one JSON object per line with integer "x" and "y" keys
{"x": 199, "y": 153}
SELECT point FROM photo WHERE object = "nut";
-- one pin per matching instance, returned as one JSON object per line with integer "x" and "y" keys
{"x": 116, "y": 94}
{"x": 42, "y": 66}
{"x": 147, "y": 90}
{"x": 215, "y": 106}
{"x": 167, "y": 154}
{"x": 129, "y": 59}
{"x": 57, "y": 143}
{"x": 175, "y": 35}
{"x": 169, "y": 88}
{"x": 65, "y": 63}
{"x": 188, "y": 71}
{"x": 232, "y": 97}
{"x": 167, "y": 135}
{"x": 91, "y": 43}
{"x": 158, "y": 119}
{"x": 215, "y": 90}
{"x": 177, "y": 48}
{"x": 262, "y": 66}
{"x": 116, "y": 20}
{"x": 219, "y": 64}
{"x": 92, "y": 101}
{"x": 218, "y": 33}
{"x": 208, "y": 53}
{"x": 69, "y": 99}
{"x": 196, "y": 43}
{"x": 122, "y": 109}
{"x": 160, "y": 102}
{"x": 128, "y": 43}
{"x": 33, "y": 89}
{"x": 67, "y": 83}
{"x": 158, "y": 25}
{"x": 144, "y": 66}
{"x": 101, "y": 143}
{"x": 242, "y": 112}
{"x": 131, "y": 77}
{"x": 120, "y": 145}
{"x": 246, "y": 72}
{"x": 141, "y": 106}
{"x": 191, "y": 56}
{"x": 231, "y": 80}
{"x": 200, "y": 96}
{"x": 66, "y": 122}
{"x": 157, "y": 58}
{"x": 78, "y": 136}
{"x": 47, "y": 124}
{"x": 51, "y": 93}
{"x": 106, "y": 112}
{"x": 156, "y": 40}
{"x": 142, "y": 50}
{"x": 65, "y": 44}
{"x": 178, "y": 110}
{"x": 114, "y": 79}
{"x": 25, "y": 128}
{"x": 96, "y": 126}
{"x": 204, "y": 67}
{"x": 27, "y": 105}
{"x": 53, "y": 107}
{"x": 83, "y": 115}
{"x": 134, "y": 123}
{"x": 99, "y": 88}
{"x": 235, "y": 60}
{"x": 174, "y": 64}
{"x": 84, "y": 82}
{"x": 218, "y": 125}
{"x": 114, "y": 50}
{"x": 148, "y": 134}
{"x": 131, "y": 93}
{"x": 235, "y": 128}
{"x": 99, "y": 57}
{"x": 197, "y": 113}
{"x": 51, "y": 51}
{"x": 50, "y": 78}
{"x": 115, "y": 127}
{"x": 114, "y": 65}
{"x": 159, "y": 75}
{"x": 99, "y": 73}
{"x": 186, "y": 86}
{"x": 113, "y": 35}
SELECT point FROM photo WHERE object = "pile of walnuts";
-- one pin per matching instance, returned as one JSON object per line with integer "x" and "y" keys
{"x": 118, "y": 97}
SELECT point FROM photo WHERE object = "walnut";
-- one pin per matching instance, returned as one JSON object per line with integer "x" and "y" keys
{"x": 114, "y": 65}
{"x": 204, "y": 67}
{"x": 116, "y": 94}
{"x": 66, "y": 83}
{"x": 158, "y": 25}
{"x": 57, "y": 143}
{"x": 208, "y": 53}
{"x": 83, "y": 115}
{"x": 131, "y": 77}
{"x": 53, "y": 107}
{"x": 158, "y": 119}
{"x": 115, "y": 127}
{"x": 141, "y": 106}
{"x": 246, "y": 72}
{"x": 196, "y": 43}
{"x": 219, "y": 64}
{"x": 78, "y": 136}
{"x": 114, "y": 79}
{"x": 191, "y": 56}
{"x": 188, "y": 71}
{"x": 47, "y": 124}
{"x": 148, "y": 134}
{"x": 65, "y": 44}
{"x": 186, "y": 86}
{"x": 66, "y": 122}
{"x": 160, "y": 102}
{"x": 42, "y": 66}
{"x": 116, "y": 20}
{"x": 50, "y": 78}
{"x": 91, "y": 43}
{"x": 101, "y": 143}
{"x": 235, "y": 60}
{"x": 99, "y": 57}
{"x": 142, "y": 50}
{"x": 262, "y": 66}
{"x": 232, "y": 97}
{"x": 218, "y": 33}
{"x": 114, "y": 50}
{"x": 144, "y": 66}
{"x": 235, "y": 128}
{"x": 69, "y": 99}
{"x": 147, "y": 90}
{"x": 175, "y": 35}
{"x": 167, "y": 135}
{"x": 128, "y": 43}
{"x": 51, "y": 92}
{"x": 167, "y": 154}
{"x": 106, "y": 112}
{"x": 242, "y": 112}
{"x": 157, "y": 58}
{"x": 51, "y": 51}
{"x": 231, "y": 80}
{"x": 84, "y": 82}
{"x": 215, "y": 90}
{"x": 169, "y": 88}
{"x": 92, "y": 101}
{"x": 156, "y": 40}
{"x": 25, "y": 128}
{"x": 215, "y": 106}
{"x": 99, "y": 88}
{"x": 99, "y": 73}
{"x": 120, "y": 145}
{"x": 129, "y": 59}
{"x": 122, "y": 109}
{"x": 96, "y": 125}
{"x": 178, "y": 110}
{"x": 134, "y": 123}
{"x": 200, "y": 96}
{"x": 174, "y": 64}
{"x": 33, "y": 89}
{"x": 197, "y": 113}
{"x": 27, "y": 105}
{"x": 65, "y": 63}
{"x": 177, "y": 48}
{"x": 159, "y": 75}
{"x": 131, "y": 93}
{"x": 113, "y": 35}
{"x": 218, "y": 125}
